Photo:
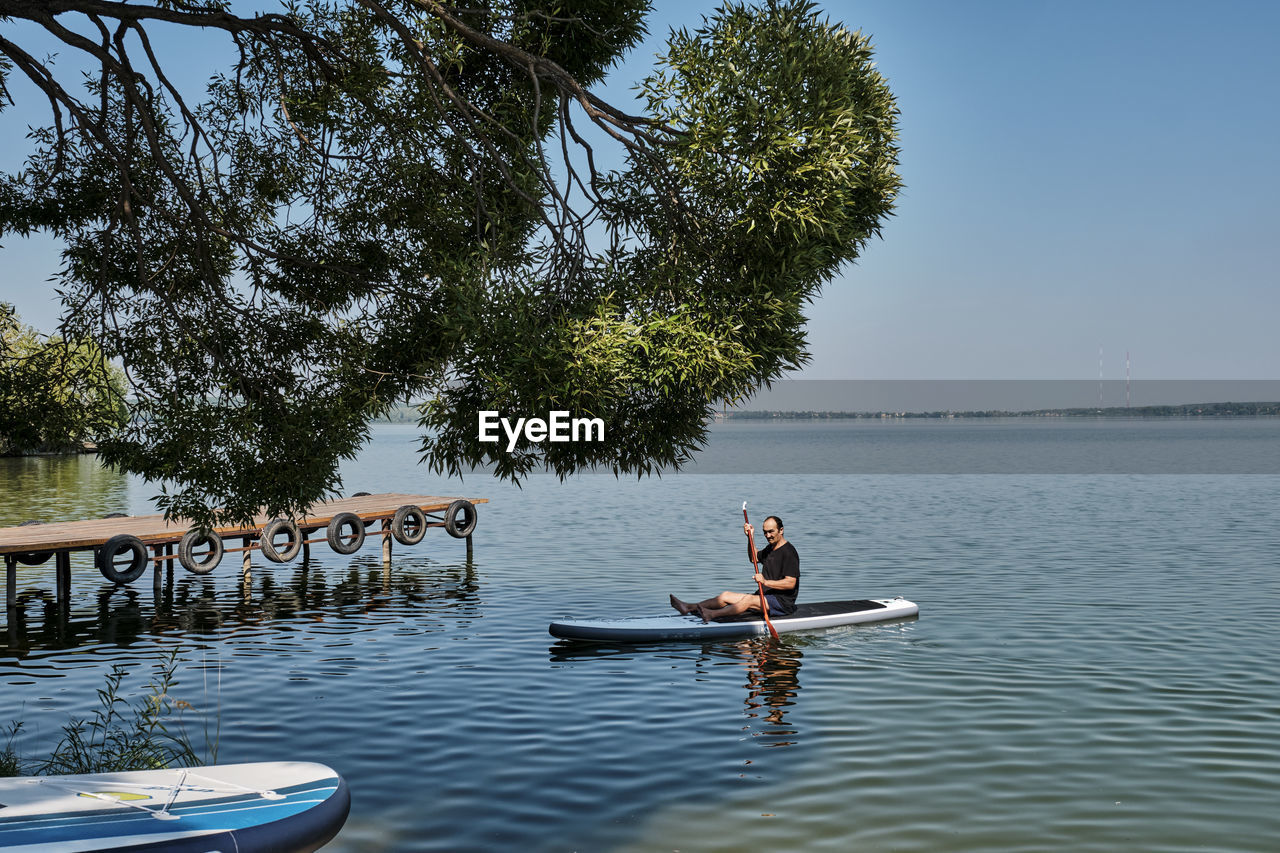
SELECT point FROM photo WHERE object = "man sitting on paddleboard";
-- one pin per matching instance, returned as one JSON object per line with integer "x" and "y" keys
{"x": 779, "y": 575}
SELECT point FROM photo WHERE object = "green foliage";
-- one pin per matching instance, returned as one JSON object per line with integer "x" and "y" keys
{"x": 55, "y": 394}
{"x": 784, "y": 157}
{"x": 389, "y": 202}
{"x": 147, "y": 735}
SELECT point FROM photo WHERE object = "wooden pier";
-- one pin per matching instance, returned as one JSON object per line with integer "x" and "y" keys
{"x": 124, "y": 546}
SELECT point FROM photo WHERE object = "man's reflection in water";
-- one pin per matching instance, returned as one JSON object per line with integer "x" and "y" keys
{"x": 773, "y": 684}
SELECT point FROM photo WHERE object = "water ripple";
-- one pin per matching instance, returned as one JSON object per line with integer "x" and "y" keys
{"x": 1092, "y": 669}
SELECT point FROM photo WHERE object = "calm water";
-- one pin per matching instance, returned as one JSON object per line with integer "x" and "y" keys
{"x": 1093, "y": 667}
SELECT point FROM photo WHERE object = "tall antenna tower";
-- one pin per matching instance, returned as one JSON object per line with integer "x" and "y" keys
{"x": 1126, "y": 379}
{"x": 1099, "y": 377}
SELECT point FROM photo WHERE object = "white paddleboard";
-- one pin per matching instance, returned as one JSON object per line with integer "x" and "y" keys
{"x": 278, "y": 806}
{"x": 656, "y": 629}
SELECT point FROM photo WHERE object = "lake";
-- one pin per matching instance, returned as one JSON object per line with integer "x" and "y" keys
{"x": 1093, "y": 666}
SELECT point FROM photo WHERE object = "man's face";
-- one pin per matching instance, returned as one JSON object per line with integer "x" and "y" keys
{"x": 771, "y": 531}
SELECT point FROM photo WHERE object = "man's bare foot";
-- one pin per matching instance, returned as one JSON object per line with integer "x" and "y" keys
{"x": 683, "y": 608}
{"x": 707, "y": 614}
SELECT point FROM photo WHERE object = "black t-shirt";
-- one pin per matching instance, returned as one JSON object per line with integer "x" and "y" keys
{"x": 777, "y": 564}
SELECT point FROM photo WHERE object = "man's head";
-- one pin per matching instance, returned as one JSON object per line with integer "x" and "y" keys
{"x": 772, "y": 528}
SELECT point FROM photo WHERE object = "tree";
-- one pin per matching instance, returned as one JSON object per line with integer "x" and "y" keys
{"x": 55, "y": 394}
{"x": 386, "y": 200}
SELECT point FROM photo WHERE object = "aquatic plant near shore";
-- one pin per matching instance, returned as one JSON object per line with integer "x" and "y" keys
{"x": 10, "y": 765}
{"x": 148, "y": 734}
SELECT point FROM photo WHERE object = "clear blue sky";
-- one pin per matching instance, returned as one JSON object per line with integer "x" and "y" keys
{"x": 1077, "y": 175}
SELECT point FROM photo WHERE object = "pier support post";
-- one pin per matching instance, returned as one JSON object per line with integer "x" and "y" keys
{"x": 468, "y": 546}
{"x": 10, "y": 584}
{"x": 246, "y": 576}
{"x": 62, "y": 574}
{"x": 11, "y": 600}
{"x": 386, "y": 542}
{"x": 156, "y": 576}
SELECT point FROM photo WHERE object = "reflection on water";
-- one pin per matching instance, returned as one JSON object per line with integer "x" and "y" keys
{"x": 773, "y": 685}
{"x": 60, "y": 488}
{"x": 1066, "y": 689}
{"x": 772, "y": 675}
{"x": 320, "y": 597}
{"x": 772, "y": 670}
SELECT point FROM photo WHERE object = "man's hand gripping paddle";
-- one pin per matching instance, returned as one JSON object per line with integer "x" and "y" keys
{"x": 751, "y": 548}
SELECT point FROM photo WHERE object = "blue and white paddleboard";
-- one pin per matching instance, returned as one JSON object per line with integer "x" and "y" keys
{"x": 278, "y": 806}
{"x": 657, "y": 629}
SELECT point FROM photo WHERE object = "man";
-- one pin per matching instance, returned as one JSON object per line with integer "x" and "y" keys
{"x": 779, "y": 575}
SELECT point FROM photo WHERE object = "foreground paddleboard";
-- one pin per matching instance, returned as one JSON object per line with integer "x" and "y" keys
{"x": 807, "y": 617}
{"x": 278, "y": 806}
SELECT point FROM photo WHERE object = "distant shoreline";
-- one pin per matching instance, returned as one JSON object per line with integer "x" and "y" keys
{"x": 1187, "y": 410}
{"x": 403, "y": 414}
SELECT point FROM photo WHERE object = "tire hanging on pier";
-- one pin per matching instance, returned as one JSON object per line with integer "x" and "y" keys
{"x": 116, "y": 546}
{"x": 193, "y": 539}
{"x": 409, "y": 525}
{"x": 276, "y": 553}
{"x": 460, "y": 519}
{"x": 345, "y": 543}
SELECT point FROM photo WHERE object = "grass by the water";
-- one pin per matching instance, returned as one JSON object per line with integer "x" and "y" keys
{"x": 148, "y": 734}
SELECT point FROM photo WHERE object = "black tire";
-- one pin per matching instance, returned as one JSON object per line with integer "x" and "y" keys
{"x": 360, "y": 495}
{"x": 106, "y": 555}
{"x": 460, "y": 529}
{"x": 115, "y": 515}
{"x": 276, "y": 553}
{"x": 345, "y": 543}
{"x": 409, "y": 525}
{"x": 192, "y": 539}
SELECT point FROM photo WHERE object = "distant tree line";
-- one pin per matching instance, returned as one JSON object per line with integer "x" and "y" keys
{"x": 55, "y": 394}
{"x": 403, "y": 414}
{"x": 1183, "y": 410}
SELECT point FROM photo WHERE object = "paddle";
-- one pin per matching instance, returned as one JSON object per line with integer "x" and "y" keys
{"x": 751, "y": 549}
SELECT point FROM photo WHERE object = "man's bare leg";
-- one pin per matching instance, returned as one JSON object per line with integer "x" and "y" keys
{"x": 683, "y": 607}
{"x": 714, "y": 602}
{"x": 728, "y": 604}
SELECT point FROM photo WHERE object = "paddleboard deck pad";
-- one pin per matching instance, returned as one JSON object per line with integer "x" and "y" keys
{"x": 657, "y": 629}
{"x": 268, "y": 806}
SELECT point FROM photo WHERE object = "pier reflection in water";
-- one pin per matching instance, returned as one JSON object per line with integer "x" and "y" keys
{"x": 191, "y": 607}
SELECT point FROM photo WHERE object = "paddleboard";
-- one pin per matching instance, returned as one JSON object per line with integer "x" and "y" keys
{"x": 278, "y": 806}
{"x": 656, "y": 629}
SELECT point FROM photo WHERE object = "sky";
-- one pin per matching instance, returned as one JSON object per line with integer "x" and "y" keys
{"x": 1079, "y": 177}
